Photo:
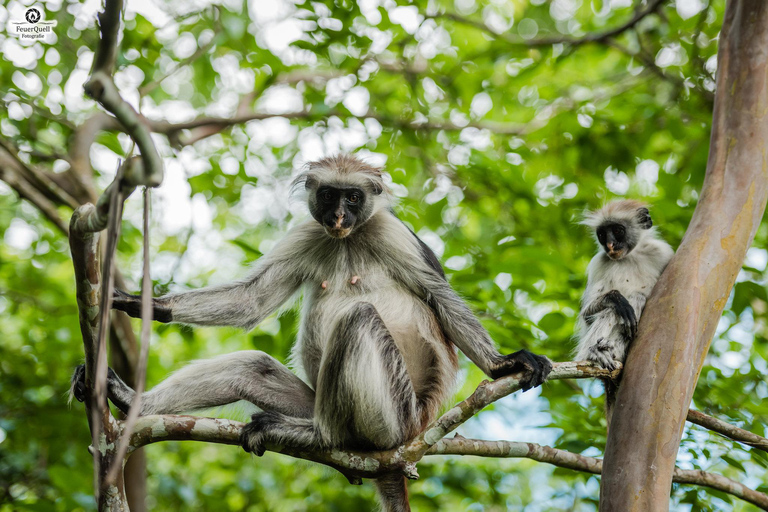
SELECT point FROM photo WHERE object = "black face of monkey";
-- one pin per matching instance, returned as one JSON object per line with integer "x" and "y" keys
{"x": 618, "y": 238}
{"x": 613, "y": 237}
{"x": 338, "y": 209}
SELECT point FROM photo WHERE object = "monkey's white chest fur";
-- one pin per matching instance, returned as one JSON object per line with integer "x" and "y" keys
{"x": 634, "y": 277}
{"x": 409, "y": 321}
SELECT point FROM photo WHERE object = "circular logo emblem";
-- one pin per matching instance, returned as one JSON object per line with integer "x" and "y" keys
{"x": 33, "y": 15}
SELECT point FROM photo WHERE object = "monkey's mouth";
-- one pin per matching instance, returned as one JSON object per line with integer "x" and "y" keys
{"x": 616, "y": 255}
{"x": 334, "y": 232}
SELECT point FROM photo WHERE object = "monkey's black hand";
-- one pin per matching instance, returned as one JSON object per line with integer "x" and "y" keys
{"x": 625, "y": 312}
{"x": 131, "y": 305}
{"x": 535, "y": 368}
{"x": 255, "y": 435}
{"x": 77, "y": 387}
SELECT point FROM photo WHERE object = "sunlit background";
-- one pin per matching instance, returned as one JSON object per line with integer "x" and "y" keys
{"x": 497, "y": 123}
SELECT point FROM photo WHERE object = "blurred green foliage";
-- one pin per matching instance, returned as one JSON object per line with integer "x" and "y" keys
{"x": 547, "y": 131}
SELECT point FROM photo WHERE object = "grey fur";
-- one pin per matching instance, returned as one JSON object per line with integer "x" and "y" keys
{"x": 378, "y": 354}
{"x": 617, "y": 289}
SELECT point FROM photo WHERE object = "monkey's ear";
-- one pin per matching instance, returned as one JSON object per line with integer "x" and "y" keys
{"x": 377, "y": 188}
{"x": 310, "y": 182}
{"x": 644, "y": 218}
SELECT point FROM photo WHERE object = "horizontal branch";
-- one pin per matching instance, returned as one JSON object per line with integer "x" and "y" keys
{"x": 151, "y": 429}
{"x": 595, "y": 37}
{"x": 728, "y": 430}
{"x": 356, "y": 465}
{"x": 487, "y": 393}
{"x": 408, "y": 124}
{"x": 564, "y": 459}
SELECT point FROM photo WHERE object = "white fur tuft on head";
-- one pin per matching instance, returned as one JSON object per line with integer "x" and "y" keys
{"x": 343, "y": 170}
{"x": 619, "y": 210}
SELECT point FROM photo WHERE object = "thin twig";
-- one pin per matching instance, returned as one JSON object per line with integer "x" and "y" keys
{"x": 100, "y": 384}
{"x": 141, "y": 369}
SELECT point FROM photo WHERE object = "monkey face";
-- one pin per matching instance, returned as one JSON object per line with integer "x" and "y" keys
{"x": 614, "y": 240}
{"x": 338, "y": 209}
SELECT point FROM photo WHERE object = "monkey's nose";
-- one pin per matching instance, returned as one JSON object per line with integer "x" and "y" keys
{"x": 610, "y": 246}
{"x": 339, "y": 220}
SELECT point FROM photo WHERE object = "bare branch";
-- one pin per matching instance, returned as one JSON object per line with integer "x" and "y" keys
{"x": 578, "y": 462}
{"x": 151, "y": 429}
{"x": 31, "y": 194}
{"x": 101, "y": 88}
{"x": 728, "y": 430}
{"x": 487, "y": 393}
{"x": 38, "y": 178}
{"x": 109, "y": 26}
{"x": 597, "y": 37}
{"x": 90, "y": 218}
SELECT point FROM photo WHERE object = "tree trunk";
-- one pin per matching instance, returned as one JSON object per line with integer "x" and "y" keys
{"x": 676, "y": 328}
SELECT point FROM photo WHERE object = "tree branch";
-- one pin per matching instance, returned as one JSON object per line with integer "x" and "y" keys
{"x": 354, "y": 465}
{"x": 38, "y": 178}
{"x": 101, "y": 88}
{"x": 109, "y": 27}
{"x": 728, "y": 430}
{"x": 564, "y": 459}
{"x": 597, "y": 37}
{"x": 31, "y": 194}
{"x": 487, "y": 393}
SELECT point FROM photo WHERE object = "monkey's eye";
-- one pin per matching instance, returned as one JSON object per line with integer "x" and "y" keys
{"x": 601, "y": 237}
{"x": 327, "y": 196}
{"x": 618, "y": 231}
{"x": 354, "y": 198}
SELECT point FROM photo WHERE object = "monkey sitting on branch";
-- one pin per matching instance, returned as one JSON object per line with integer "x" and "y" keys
{"x": 620, "y": 277}
{"x": 376, "y": 349}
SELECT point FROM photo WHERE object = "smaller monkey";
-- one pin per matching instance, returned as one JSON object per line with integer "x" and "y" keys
{"x": 620, "y": 278}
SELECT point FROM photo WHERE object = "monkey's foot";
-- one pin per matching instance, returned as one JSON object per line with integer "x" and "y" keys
{"x": 603, "y": 355}
{"x": 533, "y": 367}
{"x": 257, "y": 434}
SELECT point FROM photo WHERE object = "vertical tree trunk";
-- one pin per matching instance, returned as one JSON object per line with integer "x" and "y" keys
{"x": 677, "y": 326}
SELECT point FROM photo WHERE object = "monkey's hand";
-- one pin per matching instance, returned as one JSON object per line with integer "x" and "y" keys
{"x": 533, "y": 367}
{"x": 131, "y": 305}
{"x": 77, "y": 386}
{"x": 625, "y": 312}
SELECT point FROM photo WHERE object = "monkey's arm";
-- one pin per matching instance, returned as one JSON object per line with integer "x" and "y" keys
{"x": 463, "y": 329}
{"x": 240, "y": 304}
{"x": 243, "y": 303}
{"x": 625, "y": 311}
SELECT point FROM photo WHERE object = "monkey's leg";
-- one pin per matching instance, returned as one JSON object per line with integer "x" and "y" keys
{"x": 248, "y": 375}
{"x": 364, "y": 400}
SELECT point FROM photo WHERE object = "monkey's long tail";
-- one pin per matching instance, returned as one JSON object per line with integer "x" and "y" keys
{"x": 393, "y": 493}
